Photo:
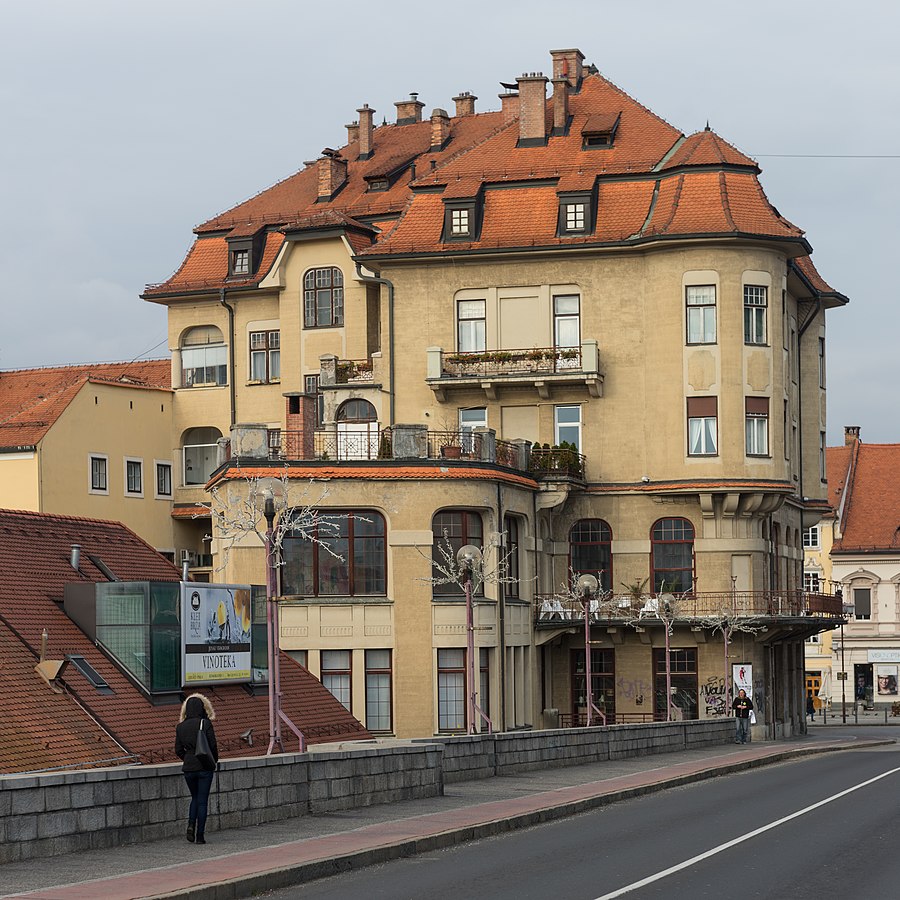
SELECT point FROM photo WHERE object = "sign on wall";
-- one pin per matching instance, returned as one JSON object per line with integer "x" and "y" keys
{"x": 742, "y": 677}
{"x": 215, "y": 633}
{"x": 884, "y": 656}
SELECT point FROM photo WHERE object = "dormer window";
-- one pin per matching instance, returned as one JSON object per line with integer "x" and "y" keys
{"x": 599, "y": 131}
{"x": 240, "y": 262}
{"x": 574, "y": 216}
{"x": 576, "y": 213}
{"x": 460, "y": 223}
{"x": 379, "y": 184}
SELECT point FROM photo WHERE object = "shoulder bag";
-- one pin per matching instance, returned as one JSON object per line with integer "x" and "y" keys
{"x": 203, "y": 751}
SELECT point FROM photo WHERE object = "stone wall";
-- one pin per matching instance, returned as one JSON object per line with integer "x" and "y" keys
{"x": 52, "y": 814}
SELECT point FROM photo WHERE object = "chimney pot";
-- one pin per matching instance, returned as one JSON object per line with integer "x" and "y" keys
{"x": 409, "y": 111}
{"x": 75, "y": 558}
{"x": 366, "y": 131}
{"x": 465, "y": 104}
{"x": 851, "y": 434}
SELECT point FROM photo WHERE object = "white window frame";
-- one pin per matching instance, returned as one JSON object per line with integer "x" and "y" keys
{"x": 471, "y": 418}
{"x": 338, "y": 680}
{"x": 126, "y": 461}
{"x": 472, "y": 334}
{"x": 240, "y": 262}
{"x": 461, "y": 222}
{"x": 561, "y": 319}
{"x": 812, "y": 581}
{"x": 756, "y": 302}
{"x": 157, "y": 464}
{"x": 700, "y": 312}
{"x": 90, "y": 483}
{"x": 703, "y": 439}
{"x": 270, "y": 351}
{"x": 812, "y": 537}
{"x": 756, "y": 431}
{"x": 575, "y": 217}
{"x": 579, "y": 425}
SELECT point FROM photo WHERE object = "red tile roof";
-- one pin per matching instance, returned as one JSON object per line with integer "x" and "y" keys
{"x": 652, "y": 183}
{"x": 31, "y": 400}
{"x": 34, "y": 569}
{"x": 867, "y": 477}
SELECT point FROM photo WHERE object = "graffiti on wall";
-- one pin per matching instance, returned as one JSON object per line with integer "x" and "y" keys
{"x": 633, "y": 690}
{"x": 713, "y": 694}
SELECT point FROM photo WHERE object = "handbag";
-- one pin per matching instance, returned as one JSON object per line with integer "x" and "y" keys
{"x": 752, "y": 717}
{"x": 203, "y": 751}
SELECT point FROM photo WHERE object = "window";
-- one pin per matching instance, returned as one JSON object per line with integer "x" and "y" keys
{"x": 590, "y": 550}
{"x": 567, "y": 425}
{"x": 701, "y": 313}
{"x": 134, "y": 477}
{"x": 469, "y": 420}
{"x": 755, "y": 300}
{"x": 341, "y": 554}
{"x": 459, "y": 222}
{"x": 484, "y": 685}
{"x": 99, "y": 483}
{"x": 603, "y": 684}
{"x": 456, "y": 528}
{"x": 862, "y": 603}
{"x": 511, "y": 527}
{"x": 204, "y": 358}
{"x": 323, "y": 298}
{"x": 378, "y": 690}
{"x": 357, "y": 430}
{"x": 451, "y": 689}
{"x": 757, "y": 426}
{"x": 200, "y": 454}
{"x": 811, "y": 582}
{"x": 702, "y": 416}
{"x": 672, "y": 556}
{"x": 683, "y": 678}
{"x": 812, "y": 537}
{"x": 470, "y": 325}
{"x": 821, "y": 362}
{"x": 273, "y": 443}
{"x": 240, "y": 262}
{"x": 566, "y": 321}
{"x": 311, "y": 387}
{"x": 822, "y": 456}
{"x": 164, "y": 480}
{"x": 265, "y": 356}
{"x": 336, "y": 675}
{"x": 574, "y": 216}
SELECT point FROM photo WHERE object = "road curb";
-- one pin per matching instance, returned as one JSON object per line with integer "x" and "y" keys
{"x": 300, "y": 873}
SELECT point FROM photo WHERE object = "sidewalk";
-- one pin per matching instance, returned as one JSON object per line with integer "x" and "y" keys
{"x": 240, "y": 862}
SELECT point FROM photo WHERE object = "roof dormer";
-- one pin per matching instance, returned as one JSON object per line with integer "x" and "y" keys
{"x": 599, "y": 131}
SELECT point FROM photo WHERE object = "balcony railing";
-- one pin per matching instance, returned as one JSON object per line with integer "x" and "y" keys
{"x": 557, "y": 461}
{"x": 552, "y": 608}
{"x": 537, "y": 361}
{"x": 354, "y": 371}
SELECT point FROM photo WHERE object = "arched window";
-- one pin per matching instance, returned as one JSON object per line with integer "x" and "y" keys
{"x": 342, "y": 555}
{"x": 199, "y": 449}
{"x": 672, "y": 555}
{"x": 590, "y": 550}
{"x": 456, "y": 528}
{"x": 357, "y": 430}
{"x": 323, "y": 297}
{"x": 204, "y": 357}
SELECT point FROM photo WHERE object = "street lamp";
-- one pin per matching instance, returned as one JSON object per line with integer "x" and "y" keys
{"x": 469, "y": 558}
{"x": 586, "y": 588}
{"x": 840, "y": 595}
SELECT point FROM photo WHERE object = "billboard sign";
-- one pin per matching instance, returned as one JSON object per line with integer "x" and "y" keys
{"x": 742, "y": 677}
{"x": 215, "y": 636}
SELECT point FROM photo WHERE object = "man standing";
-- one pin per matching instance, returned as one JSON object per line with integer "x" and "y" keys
{"x": 742, "y": 707}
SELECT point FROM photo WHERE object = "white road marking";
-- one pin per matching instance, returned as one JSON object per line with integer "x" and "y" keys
{"x": 739, "y": 840}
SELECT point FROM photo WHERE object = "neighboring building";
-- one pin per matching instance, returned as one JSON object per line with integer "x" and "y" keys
{"x": 92, "y": 441}
{"x": 105, "y": 705}
{"x": 865, "y": 560}
{"x": 817, "y": 540}
{"x": 563, "y": 327}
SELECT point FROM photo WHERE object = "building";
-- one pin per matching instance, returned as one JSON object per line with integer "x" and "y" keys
{"x": 92, "y": 441}
{"x": 563, "y": 331}
{"x": 865, "y": 561}
{"x": 817, "y": 576}
{"x": 102, "y": 700}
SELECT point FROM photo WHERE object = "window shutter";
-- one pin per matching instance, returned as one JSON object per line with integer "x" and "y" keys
{"x": 698, "y": 407}
{"x": 757, "y": 406}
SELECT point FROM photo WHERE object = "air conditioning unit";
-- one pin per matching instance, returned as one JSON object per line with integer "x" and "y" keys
{"x": 189, "y": 557}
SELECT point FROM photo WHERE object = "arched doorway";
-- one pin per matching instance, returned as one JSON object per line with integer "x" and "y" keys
{"x": 357, "y": 430}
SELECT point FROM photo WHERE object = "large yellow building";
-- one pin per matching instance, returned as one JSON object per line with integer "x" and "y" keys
{"x": 564, "y": 332}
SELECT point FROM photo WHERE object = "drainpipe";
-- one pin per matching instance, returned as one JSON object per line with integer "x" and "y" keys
{"x": 373, "y": 279}
{"x": 501, "y": 603}
{"x": 231, "y": 373}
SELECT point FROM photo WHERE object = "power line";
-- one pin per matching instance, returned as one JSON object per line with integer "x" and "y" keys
{"x": 829, "y": 155}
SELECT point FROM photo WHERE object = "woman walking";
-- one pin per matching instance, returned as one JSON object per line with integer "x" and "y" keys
{"x": 196, "y": 713}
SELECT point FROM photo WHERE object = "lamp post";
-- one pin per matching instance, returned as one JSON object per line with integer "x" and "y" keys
{"x": 840, "y": 594}
{"x": 468, "y": 558}
{"x": 586, "y": 587}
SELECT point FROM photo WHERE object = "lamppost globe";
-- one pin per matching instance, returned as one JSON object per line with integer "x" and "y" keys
{"x": 587, "y": 584}
{"x": 468, "y": 556}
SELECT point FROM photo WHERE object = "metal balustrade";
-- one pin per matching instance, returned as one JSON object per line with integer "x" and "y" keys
{"x": 536, "y": 360}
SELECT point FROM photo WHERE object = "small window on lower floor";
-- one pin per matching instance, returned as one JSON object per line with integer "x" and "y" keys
{"x": 757, "y": 426}
{"x": 451, "y": 666}
{"x": 164, "y": 480}
{"x": 378, "y": 690}
{"x": 99, "y": 483}
{"x": 134, "y": 477}
{"x": 336, "y": 675}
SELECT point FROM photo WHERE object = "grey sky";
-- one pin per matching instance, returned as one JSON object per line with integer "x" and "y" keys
{"x": 127, "y": 123}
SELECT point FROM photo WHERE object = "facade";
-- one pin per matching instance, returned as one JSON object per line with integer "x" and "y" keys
{"x": 865, "y": 561}
{"x": 817, "y": 576}
{"x": 91, "y": 441}
{"x": 564, "y": 332}
{"x": 86, "y": 687}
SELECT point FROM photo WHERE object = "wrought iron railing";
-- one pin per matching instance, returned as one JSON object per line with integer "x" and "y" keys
{"x": 537, "y": 360}
{"x": 557, "y": 461}
{"x": 550, "y": 608}
{"x": 350, "y": 371}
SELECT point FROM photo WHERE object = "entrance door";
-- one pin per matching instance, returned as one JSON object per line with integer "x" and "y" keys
{"x": 863, "y": 685}
{"x": 813, "y": 686}
{"x": 357, "y": 430}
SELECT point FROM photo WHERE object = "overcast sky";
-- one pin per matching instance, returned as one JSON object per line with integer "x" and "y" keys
{"x": 127, "y": 123}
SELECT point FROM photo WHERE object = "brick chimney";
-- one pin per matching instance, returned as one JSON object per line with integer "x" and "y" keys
{"x": 332, "y": 173}
{"x": 465, "y": 104}
{"x": 409, "y": 111}
{"x": 509, "y": 105}
{"x": 560, "y": 104}
{"x": 366, "y": 131}
{"x": 440, "y": 128}
{"x": 568, "y": 64}
{"x": 851, "y": 434}
{"x": 352, "y": 132}
{"x": 532, "y": 109}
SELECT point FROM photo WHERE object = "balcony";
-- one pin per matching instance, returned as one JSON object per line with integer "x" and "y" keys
{"x": 551, "y": 610}
{"x": 541, "y": 369}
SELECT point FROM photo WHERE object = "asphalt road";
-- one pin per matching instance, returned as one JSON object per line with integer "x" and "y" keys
{"x": 823, "y": 826}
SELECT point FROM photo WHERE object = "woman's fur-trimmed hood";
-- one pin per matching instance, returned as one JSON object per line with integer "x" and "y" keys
{"x": 196, "y": 706}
